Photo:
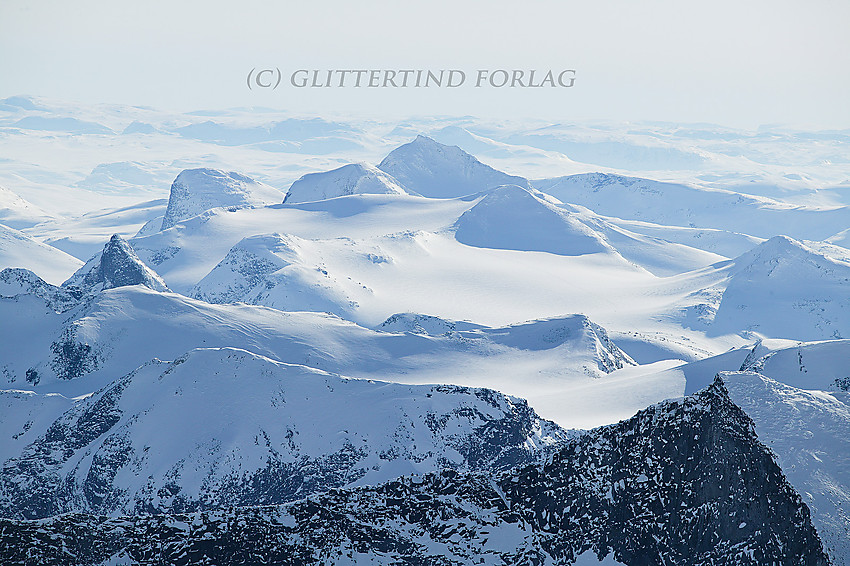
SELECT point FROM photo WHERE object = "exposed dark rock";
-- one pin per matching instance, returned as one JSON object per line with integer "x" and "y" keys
{"x": 116, "y": 266}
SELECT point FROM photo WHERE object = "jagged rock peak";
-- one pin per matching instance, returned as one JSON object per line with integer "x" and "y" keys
{"x": 116, "y": 266}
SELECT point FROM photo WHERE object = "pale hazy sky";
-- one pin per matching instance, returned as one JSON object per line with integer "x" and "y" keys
{"x": 738, "y": 63}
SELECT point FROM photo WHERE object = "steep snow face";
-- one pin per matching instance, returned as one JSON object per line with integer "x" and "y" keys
{"x": 809, "y": 431}
{"x": 442, "y": 171}
{"x": 22, "y": 411}
{"x": 116, "y": 266}
{"x": 675, "y": 204}
{"x": 197, "y": 190}
{"x": 784, "y": 289}
{"x": 352, "y": 179}
{"x": 19, "y": 250}
{"x": 511, "y": 218}
{"x": 634, "y": 491}
{"x": 280, "y": 432}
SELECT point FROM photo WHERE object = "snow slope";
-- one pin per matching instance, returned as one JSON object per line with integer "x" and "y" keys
{"x": 17, "y": 213}
{"x": 547, "y": 361}
{"x": 809, "y": 431}
{"x": 19, "y": 250}
{"x": 83, "y": 236}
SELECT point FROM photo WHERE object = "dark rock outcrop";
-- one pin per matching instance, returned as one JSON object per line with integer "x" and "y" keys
{"x": 116, "y": 266}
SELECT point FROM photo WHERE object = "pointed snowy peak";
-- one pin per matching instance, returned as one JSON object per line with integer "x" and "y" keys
{"x": 443, "y": 171}
{"x": 512, "y": 218}
{"x": 116, "y": 266}
{"x": 197, "y": 190}
{"x": 352, "y": 179}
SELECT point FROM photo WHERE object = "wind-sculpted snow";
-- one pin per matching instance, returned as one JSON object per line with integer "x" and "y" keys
{"x": 356, "y": 178}
{"x": 222, "y": 427}
{"x": 197, "y": 190}
{"x": 682, "y": 482}
{"x": 435, "y": 170}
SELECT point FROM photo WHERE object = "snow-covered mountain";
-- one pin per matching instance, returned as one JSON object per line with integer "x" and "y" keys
{"x": 430, "y": 269}
{"x": 280, "y": 272}
{"x": 280, "y": 432}
{"x": 435, "y": 170}
{"x": 355, "y": 178}
{"x": 510, "y": 217}
{"x": 116, "y": 266}
{"x": 784, "y": 289}
{"x": 643, "y": 491}
{"x": 197, "y": 190}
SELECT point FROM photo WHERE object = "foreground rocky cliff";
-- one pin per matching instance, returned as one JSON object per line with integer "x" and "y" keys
{"x": 683, "y": 482}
